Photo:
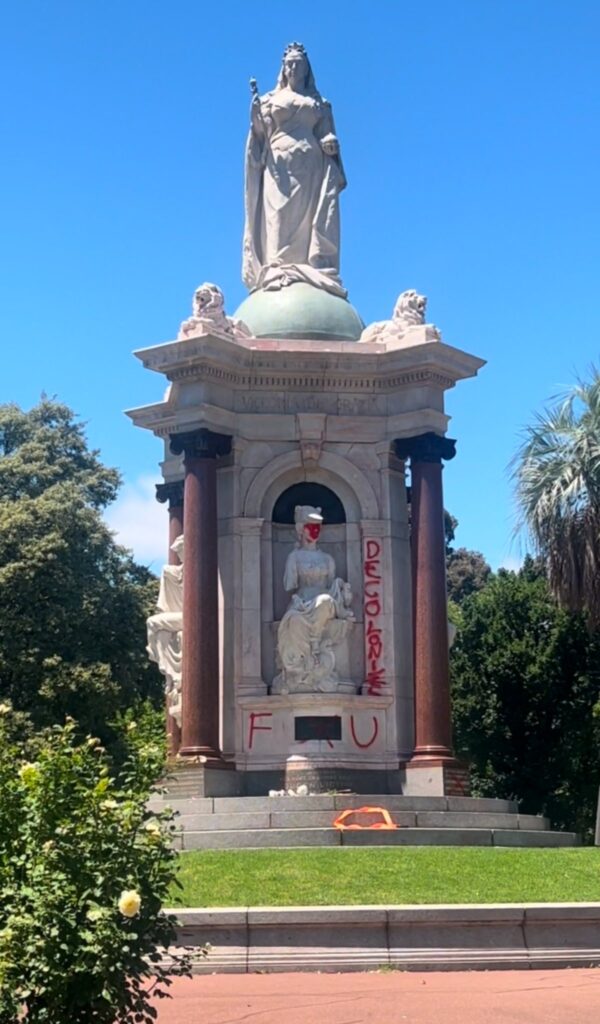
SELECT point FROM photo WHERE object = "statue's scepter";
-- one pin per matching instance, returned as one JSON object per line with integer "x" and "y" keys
{"x": 255, "y": 96}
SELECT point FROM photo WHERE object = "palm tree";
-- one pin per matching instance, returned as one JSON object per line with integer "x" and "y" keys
{"x": 557, "y": 477}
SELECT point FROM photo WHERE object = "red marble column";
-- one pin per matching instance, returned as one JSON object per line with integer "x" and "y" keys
{"x": 433, "y": 722}
{"x": 200, "y": 676}
{"x": 172, "y": 492}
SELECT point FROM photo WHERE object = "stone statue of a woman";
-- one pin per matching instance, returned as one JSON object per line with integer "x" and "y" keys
{"x": 165, "y": 631}
{"x": 319, "y": 615}
{"x": 294, "y": 175}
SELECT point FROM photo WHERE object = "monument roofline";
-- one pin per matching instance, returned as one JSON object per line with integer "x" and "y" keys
{"x": 246, "y": 363}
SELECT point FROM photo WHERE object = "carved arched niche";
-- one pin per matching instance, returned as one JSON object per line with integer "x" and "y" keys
{"x": 333, "y": 538}
{"x": 343, "y": 509}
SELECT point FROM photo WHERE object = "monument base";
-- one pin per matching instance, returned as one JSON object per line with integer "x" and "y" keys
{"x": 183, "y": 781}
{"x": 435, "y": 777}
{"x": 307, "y": 734}
{"x": 196, "y": 781}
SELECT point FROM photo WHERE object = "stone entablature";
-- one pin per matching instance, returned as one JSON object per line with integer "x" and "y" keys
{"x": 235, "y": 386}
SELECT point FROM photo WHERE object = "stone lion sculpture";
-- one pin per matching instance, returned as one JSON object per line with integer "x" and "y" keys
{"x": 410, "y": 308}
{"x": 409, "y": 312}
{"x": 209, "y": 317}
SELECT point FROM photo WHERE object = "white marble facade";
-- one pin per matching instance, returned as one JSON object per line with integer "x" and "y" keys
{"x": 253, "y": 552}
{"x": 299, "y": 412}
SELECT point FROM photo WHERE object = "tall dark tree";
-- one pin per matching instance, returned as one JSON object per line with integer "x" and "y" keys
{"x": 466, "y": 571}
{"x": 73, "y": 603}
{"x": 525, "y": 683}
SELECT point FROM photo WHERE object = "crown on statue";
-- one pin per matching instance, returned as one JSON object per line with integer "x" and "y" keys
{"x": 296, "y": 48}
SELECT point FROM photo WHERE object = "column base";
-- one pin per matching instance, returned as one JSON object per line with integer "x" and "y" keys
{"x": 431, "y": 754}
{"x": 431, "y": 776}
{"x": 184, "y": 780}
{"x": 206, "y": 756}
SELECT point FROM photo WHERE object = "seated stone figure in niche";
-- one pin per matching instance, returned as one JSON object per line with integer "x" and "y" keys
{"x": 165, "y": 631}
{"x": 318, "y": 618}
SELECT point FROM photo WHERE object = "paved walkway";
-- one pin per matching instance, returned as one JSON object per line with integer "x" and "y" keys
{"x": 478, "y": 997}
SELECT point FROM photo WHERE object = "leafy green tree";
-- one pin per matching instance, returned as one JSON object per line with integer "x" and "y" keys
{"x": 466, "y": 571}
{"x": 73, "y": 603}
{"x": 524, "y": 683}
{"x": 557, "y": 475}
{"x": 84, "y": 870}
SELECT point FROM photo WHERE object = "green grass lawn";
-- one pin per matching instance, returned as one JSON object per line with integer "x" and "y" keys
{"x": 279, "y": 878}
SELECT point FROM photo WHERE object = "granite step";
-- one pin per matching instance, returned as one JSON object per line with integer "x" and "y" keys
{"x": 257, "y": 838}
{"x": 330, "y": 802}
{"x": 191, "y": 822}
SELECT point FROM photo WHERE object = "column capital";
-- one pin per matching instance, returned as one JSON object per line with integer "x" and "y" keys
{"x": 200, "y": 444}
{"x": 427, "y": 447}
{"x": 171, "y": 491}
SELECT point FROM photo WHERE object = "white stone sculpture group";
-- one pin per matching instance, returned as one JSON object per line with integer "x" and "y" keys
{"x": 294, "y": 175}
{"x": 318, "y": 618}
{"x": 165, "y": 631}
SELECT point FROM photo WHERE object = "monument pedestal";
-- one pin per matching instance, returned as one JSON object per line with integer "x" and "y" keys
{"x": 267, "y": 425}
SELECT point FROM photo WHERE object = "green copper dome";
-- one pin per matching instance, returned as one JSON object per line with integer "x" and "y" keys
{"x": 300, "y": 311}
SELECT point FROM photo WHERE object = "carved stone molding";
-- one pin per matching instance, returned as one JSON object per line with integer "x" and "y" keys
{"x": 317, "y": 380}
{"x": 200, "y": 444}
{"x": 428, "y": 447}
{"x": 171, "y": 491}
{"x": 311, "y": 431}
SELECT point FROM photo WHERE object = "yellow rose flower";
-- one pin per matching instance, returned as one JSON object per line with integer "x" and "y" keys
{"x": 130, "y": 902}
{"x": 153, "y": 829}
{"x": 5, "y": 709}
{"x": 28, "y": 773}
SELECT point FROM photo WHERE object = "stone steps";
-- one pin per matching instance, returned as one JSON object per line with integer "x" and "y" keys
{"x": 324, "y": 819}
{"x": 331, "y": 802}
{"x": 222, "y": 823}
{"x": 222, "y": 839}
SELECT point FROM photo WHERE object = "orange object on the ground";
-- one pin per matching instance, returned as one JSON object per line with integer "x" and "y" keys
{"x": 385, "y": 823}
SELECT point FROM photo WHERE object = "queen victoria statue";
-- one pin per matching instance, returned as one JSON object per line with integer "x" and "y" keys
{"x": 318, "y": 618}
{"x": 294, "y": 176}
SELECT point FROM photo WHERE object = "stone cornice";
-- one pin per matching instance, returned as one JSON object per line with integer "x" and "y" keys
{"x": 259, "y": 364}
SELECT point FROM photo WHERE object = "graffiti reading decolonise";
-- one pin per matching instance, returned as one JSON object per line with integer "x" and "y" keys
{"x": 373, "y": 606}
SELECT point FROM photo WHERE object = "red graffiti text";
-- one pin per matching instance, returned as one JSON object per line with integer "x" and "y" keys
{"x": 375, "y": 671}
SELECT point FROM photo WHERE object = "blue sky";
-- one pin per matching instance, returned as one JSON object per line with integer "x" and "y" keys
{"x": 470, "y": 137}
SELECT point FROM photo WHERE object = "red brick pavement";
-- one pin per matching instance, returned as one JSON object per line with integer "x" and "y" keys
{"x": 478, "y": 997}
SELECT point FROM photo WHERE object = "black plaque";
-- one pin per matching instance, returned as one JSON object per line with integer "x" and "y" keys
{"x": 318, "y": 727}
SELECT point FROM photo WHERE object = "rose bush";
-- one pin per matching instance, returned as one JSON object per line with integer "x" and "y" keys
{"x": 84, "y": 870}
